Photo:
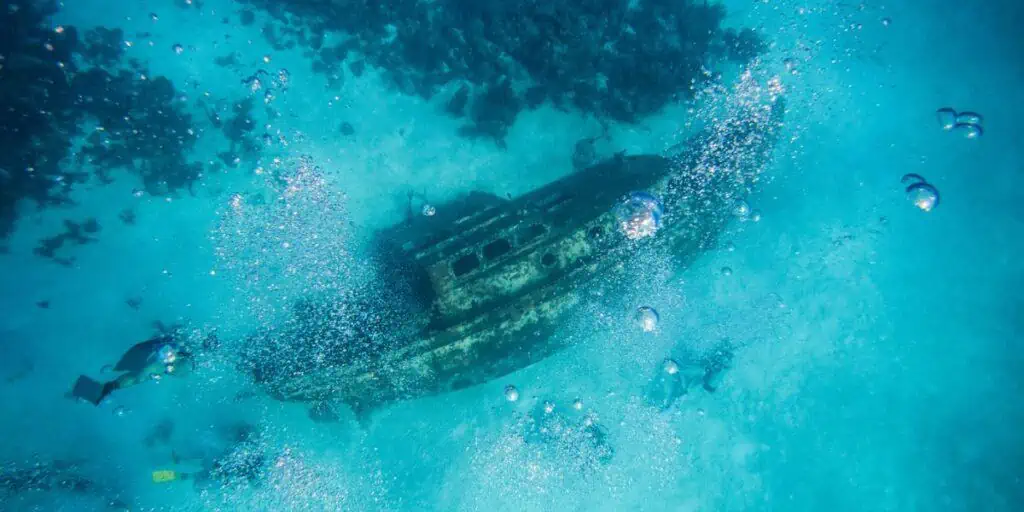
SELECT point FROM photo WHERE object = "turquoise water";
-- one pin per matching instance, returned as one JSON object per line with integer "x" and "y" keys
{"x": 874, "y": 348}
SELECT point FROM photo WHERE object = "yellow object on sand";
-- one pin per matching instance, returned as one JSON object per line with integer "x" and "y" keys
{"x": 164, "y": 475}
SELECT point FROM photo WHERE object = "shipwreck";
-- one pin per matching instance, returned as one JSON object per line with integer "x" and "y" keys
{"x": 495, "y": 277}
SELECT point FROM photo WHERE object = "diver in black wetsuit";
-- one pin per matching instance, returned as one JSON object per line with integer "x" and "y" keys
{"x": 242, "y": 462}
{"x": 152, "y": 359}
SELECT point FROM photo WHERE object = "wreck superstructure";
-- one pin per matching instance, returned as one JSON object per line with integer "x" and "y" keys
{"x": 498, "y": 276}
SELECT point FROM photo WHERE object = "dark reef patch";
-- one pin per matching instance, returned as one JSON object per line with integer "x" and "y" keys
{"x": 247, "y": 17}
{"x": 615, "y": 59}
{"x": 53, "y": 86}
{"x": 127, "y": 216}
{"x": 74, "y": 234}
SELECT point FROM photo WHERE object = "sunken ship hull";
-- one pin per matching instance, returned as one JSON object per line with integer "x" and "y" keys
{"x": 497, "y": 277}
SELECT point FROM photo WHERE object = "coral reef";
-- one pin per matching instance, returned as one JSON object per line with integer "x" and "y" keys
{"x": 74, "y": 233}
{"x": 53, "y": 84}
{"x": 616, "y": 59}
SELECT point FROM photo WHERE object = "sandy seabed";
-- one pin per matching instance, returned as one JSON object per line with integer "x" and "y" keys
{"x": 881, "y": 344}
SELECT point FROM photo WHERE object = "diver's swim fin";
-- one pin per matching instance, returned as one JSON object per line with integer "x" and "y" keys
{"x": 90, "y": 390}
{"x": 161, "y": 476}
{"x": 87, "y": 389}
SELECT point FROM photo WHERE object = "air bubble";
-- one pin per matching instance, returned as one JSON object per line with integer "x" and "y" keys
{"x": 429, "y": 210}
{"x": 924, "y": 196}
{"x": 969, "y": 118}
{"x": 511, "y": 393}
{"x": 670, "y": 367}
{"x": 639, "y": 216}
{"x": 741, "y": 209}
{"x": 912, "y": 178}
{"x": 946, "y": 117}
{"x": 178, "y": 49}
{"x": 968, "y": 130}
{"x": 647, "y": 318}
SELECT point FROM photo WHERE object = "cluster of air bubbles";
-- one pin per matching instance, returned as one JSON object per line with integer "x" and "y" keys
{"x": 511, "y": 393}
{"x": 741, "y": 123}
{"x": 178, "y": 49}
{"x": 967, "y": 124}
{"x": 296, "y": 241}
{"x": 647, "y": 318}
{"x": 429, "y": 210}
{"x": 639, "y": 215}
{"x": 577, "y": 404}
{"x": 549, "y": 407}
{"x": 167, "y": 354}
{"x": 920, "y": 193}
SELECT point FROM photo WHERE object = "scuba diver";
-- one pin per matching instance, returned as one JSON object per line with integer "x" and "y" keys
{"x": 152, "y": 359}
{"x": 242, "y": 462}
{"x": 674, "y": 380}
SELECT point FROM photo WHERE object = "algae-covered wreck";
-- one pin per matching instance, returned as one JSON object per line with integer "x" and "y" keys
{"x": 495, "y": 277}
